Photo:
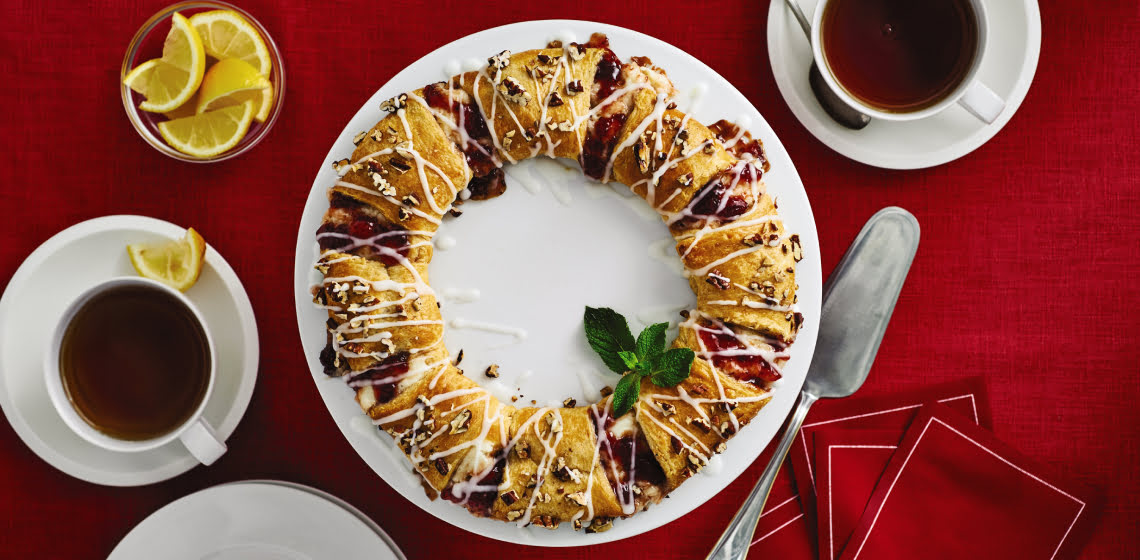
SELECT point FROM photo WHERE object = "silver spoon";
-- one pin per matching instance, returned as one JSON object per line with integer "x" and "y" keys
{"x": 857, "y": 303}
{"x": 839, "y": 111}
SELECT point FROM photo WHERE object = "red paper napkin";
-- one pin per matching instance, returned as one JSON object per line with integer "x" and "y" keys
{"x": 892, "y": 412}
{"x": 848, "y": 464}
{"x": 782, "y": 530}
{"x": 953, "y": 491}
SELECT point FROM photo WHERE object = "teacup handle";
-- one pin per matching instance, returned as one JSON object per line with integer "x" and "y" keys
{"x": 982, "y": 102}
{"x": 202, "y": 442}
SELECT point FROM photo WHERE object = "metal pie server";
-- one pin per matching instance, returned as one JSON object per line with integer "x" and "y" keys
{"x": 858, "y": 299}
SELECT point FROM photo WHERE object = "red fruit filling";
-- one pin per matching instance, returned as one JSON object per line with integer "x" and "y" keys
{"x": 749, "y": 368}
{"x": 745, "y": 144}
{"x": 598, "y": 41}
{"x": 487, "y": 177}
{"x": 363, "y": 235}
{"x": 599, "y": 144}
{"x": 328, "y": 360}
{"x": 487, "y": 186}
{"x": 629, "y": 454}
{"x": 480, "y": 501}
{"x": 608, "y": 75}
{"x": 710, "y": 201}
{"x": 380, "y": 378}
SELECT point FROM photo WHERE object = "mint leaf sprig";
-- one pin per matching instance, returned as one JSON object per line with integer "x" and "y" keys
{"x": 608, "y": 334}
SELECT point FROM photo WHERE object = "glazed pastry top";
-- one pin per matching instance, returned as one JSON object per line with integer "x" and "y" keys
{"x": 445, "y": 144}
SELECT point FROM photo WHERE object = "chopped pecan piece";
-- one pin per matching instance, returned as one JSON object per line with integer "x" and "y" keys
{"x": 461, "y": 422}
{"x": 720, "y": 282}
{"x": 514, "y": 91}
{"x": 600, "y": 525}
{"x": 394, "y": 104}
{"x": 578, "y": 498}
{"x": 441, "y": 466}
{"x": 641, "y": 155}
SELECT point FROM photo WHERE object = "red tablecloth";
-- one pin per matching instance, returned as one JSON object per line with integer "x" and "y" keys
{"x": 1027, "y": 273}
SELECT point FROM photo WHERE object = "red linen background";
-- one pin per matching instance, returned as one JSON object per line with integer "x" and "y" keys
{"x": 1026, "y": 273}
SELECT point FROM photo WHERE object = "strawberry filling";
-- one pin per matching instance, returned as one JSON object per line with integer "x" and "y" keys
{"x": 749, "y": 368}
{"x": 361, "y": 234}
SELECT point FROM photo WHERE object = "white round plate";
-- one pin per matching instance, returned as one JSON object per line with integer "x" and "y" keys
{"x": 257, "y": 520}
{"x": 1010, "y": 62}
{"x": 532, "y": 259}
{"x": 54, "y": 275}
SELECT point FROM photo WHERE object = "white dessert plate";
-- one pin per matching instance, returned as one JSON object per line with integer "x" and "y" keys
{"x": 1009, "y": 65}
{"x": 515, "y": 273}
{"x": 257, "y": 520}
{"x": 55, "y": 274}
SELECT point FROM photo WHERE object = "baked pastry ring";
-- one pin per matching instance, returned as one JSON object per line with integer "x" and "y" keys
{"x": 446, "y": 143}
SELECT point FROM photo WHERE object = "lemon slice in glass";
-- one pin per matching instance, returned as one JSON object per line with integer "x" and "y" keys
{"x": 225, "y": 34}
{"x": 139, "y": 78}
{"x": 172, "y": 80}
{"x": 176, "y": 263}
{"x": 208, "y": 134}
{"x": 230, "y": 82}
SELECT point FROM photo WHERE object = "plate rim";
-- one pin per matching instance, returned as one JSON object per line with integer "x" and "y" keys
{"x": 274, "y": 485}
{"x": 355, "y": 511}
{"x": 468, "y": 522}
{"x": 242, "y": 397}
{"x": 822, "y": 130}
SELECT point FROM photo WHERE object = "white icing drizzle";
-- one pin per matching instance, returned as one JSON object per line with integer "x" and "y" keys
{"x": 707, "y": 229}
{"x": 600, "y": 413}
{"x": 375, "y": 322}
{"x": 654, "y": 115}
{"x": 461, "y": 323}
{"x": 532, "y": 186}
{"x": 739, "y": 253}
{"x": 664, "y": 251}
{"x": 444, "y": 242}
{"x": 460, "y": 295}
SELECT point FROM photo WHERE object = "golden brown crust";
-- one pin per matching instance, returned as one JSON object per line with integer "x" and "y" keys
{"x": 368, "y": 299}
{"x": 529, "y": 108}
{"x": 451, "y": 417}
{"x": 671, "y": 160}
{"x": 744, "y": 272}
{"x": 685, "y": 432}
{"x": 394, "y": 158}
{"x": 407, "y": 170}
{"x": 554, "y": 472}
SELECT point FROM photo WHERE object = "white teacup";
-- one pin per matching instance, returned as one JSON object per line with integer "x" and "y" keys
{"x": 195, "y": 432}
{"x": 970, "y": 92}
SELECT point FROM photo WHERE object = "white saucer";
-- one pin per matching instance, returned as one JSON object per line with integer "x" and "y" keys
{"x": 51, "y": 277}
{"x": 257, "y": 520}
{"x": 1011, "y": 61}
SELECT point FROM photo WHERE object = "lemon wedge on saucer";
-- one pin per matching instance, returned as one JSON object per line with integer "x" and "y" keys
{"x": 226, "y": 34}
{"x": 171, "y": 80}
{"x": 232, "y": 81}
{"x": 176, "y": 263}
{"x": 208, "y": 134}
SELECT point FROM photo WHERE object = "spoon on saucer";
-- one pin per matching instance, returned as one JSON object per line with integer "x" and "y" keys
{"x": 841, "y": 112}
{"x": 858, "y": 299}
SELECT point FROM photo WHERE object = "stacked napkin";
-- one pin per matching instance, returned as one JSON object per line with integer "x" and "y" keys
{"x": 919, "y": 475}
